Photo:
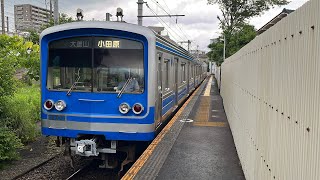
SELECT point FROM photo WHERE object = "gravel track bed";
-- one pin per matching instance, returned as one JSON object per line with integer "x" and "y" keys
{"x": 93, "y": 172}
{"x": 57, "y": 168}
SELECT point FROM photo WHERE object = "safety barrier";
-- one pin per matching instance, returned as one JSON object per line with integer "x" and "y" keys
{"x": 271, "y": 93}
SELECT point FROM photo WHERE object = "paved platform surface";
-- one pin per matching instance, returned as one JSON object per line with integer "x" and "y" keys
{"x": 202, "y": 149}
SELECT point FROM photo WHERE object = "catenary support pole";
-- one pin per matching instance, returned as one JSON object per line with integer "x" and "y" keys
{"x": 2, "y": 17}
{"x": 140, "y": 11}
{"x": 56, "y": 12}
{"x": 7, "y": 17}
{"x": 50, "y": 9}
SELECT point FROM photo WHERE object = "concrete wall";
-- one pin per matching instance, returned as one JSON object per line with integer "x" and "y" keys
{"x": 271, "y": 92}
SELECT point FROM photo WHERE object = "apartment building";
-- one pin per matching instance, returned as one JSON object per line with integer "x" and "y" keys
{"x": 30, "y": 17}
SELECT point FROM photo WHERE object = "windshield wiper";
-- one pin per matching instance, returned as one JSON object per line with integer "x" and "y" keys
{"x": 124, "y": 87}
{"x": 74, "y": 84}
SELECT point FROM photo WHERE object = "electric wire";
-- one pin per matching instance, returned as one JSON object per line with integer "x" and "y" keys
{"x": 159, "y": 18}
{"x": 178, "y": 27}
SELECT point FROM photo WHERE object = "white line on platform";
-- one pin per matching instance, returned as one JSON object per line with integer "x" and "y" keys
{"x": 208, "y": 88}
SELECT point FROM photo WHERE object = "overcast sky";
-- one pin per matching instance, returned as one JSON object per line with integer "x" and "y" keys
{"x": 200, "y": 23}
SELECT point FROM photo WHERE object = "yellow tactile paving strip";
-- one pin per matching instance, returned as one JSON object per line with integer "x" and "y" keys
{"x": 203, "y": 112}
{"x": 208, "y": 88}
{"x": 146, "y": 154}
{"x": 210, "y": 124}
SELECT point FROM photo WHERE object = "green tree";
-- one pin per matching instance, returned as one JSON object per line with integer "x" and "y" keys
{"x": 63, "y": 18}
{"x": 34, "y": 35}
{"x": 237, "y": 12}
{"x": 9, "y": 55}
{"x": 234, "y": 42}
{"x": 234, "y": 24}
{"x": 16, "y": 53}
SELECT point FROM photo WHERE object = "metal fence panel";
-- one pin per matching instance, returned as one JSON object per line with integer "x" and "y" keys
{"x": 271, "y": 93}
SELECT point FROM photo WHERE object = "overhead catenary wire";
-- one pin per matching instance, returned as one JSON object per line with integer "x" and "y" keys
{"x": 169, "y": 27}
{"x": 178, "y": 27}
{"x": 169, "y": 14}
{"x": 159, "y": 18}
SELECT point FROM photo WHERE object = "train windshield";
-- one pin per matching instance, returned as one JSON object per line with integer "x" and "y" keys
{"x": 96, "y": 64}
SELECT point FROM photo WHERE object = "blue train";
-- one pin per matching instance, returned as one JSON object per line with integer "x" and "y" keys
{"x": 105, "y": 85}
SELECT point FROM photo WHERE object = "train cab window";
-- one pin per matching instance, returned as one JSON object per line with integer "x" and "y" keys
{"x": 69, "y": 65}
{"x": 166, "y": 73}
{"x": 118, "y": 63}
{"x": 96, "y": 64}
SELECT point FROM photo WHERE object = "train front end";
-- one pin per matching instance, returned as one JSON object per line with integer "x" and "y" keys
{"x": 97, "y": 88}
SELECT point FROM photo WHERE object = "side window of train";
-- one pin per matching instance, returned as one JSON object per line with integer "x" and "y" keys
{"x": 166, "y": 74}
{"x": 183, "y": 73}
{"x": 159, "y": 71}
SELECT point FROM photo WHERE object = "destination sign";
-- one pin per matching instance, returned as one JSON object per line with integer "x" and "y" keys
{"x": 79, "y": 44}
{"x": 96, "y": 42}
{"x": 108, "y": 44}
{"x": 74, "y": 43}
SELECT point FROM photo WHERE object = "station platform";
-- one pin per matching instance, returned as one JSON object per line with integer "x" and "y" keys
{"x": 196, "y": 144}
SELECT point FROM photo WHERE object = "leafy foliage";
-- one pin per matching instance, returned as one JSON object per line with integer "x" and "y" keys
{"x": 234, "y": 26}
{"x": 19, "y": 108}
{"x": 237, "y": 12}
{"x": 9, "y": 142}
{"x": 234, "y": 42}
{"x": 21, "y": 112}
{"x": 9, "y": 58}
{"x": 16, "y": 53}
{"x": 63, "y": 18}
{"x": 34, "y": 35}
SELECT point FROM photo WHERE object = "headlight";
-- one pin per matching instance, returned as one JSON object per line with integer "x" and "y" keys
{"x": 137, "y": 108}
{"x": 48, "y": 105}
{"x": 60, "y": 105}
{"x": 124, "y": 108}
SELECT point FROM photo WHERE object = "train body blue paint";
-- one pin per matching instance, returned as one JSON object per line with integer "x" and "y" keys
{"x": 107, "y": 83}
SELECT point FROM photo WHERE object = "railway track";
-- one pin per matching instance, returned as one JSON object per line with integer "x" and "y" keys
{"x": 35, "y": 167}
{"x": 91, "y": 171}
{"x": 72, "y": 176}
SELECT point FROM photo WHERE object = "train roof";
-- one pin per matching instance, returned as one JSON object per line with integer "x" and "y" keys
{"x": 148, "y": 33}
{"x": 174, "y": 46}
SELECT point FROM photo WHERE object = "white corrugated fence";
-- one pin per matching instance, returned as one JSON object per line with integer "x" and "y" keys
{"x": 271, "y": 93}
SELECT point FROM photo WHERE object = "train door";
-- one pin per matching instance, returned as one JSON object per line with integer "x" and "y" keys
{"x": 159, "y": 90}
{"x": 188, "y": 77}
{"x": 194, "y": 76}
{"x": 176, "y": 79}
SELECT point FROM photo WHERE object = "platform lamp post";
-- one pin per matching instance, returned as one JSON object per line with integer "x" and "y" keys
{"x": 224, "y": 57}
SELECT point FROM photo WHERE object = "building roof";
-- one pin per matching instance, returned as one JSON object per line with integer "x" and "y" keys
{"x": 275, "y": 20}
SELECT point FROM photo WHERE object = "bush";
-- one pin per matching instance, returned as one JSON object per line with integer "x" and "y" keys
{"x": 22, "y": 111}
{"x": 9, "y": 143}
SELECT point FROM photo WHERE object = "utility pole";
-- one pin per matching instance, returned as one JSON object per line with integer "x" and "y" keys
{"x": 2, "y": 17}
{"x": 48, "y": 14}
{"x": 140, "y": 11}
{"x": 189, "y": 43}
{"x": 50, "y": 9}
{"x": 56, "y": 12}
{"x": 7, "y": 24}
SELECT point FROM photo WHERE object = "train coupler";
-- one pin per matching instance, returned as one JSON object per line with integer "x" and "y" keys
{"x": 86, "y": 147}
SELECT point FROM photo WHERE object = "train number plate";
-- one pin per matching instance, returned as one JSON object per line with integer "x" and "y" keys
{"x": 57, "y": 117}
